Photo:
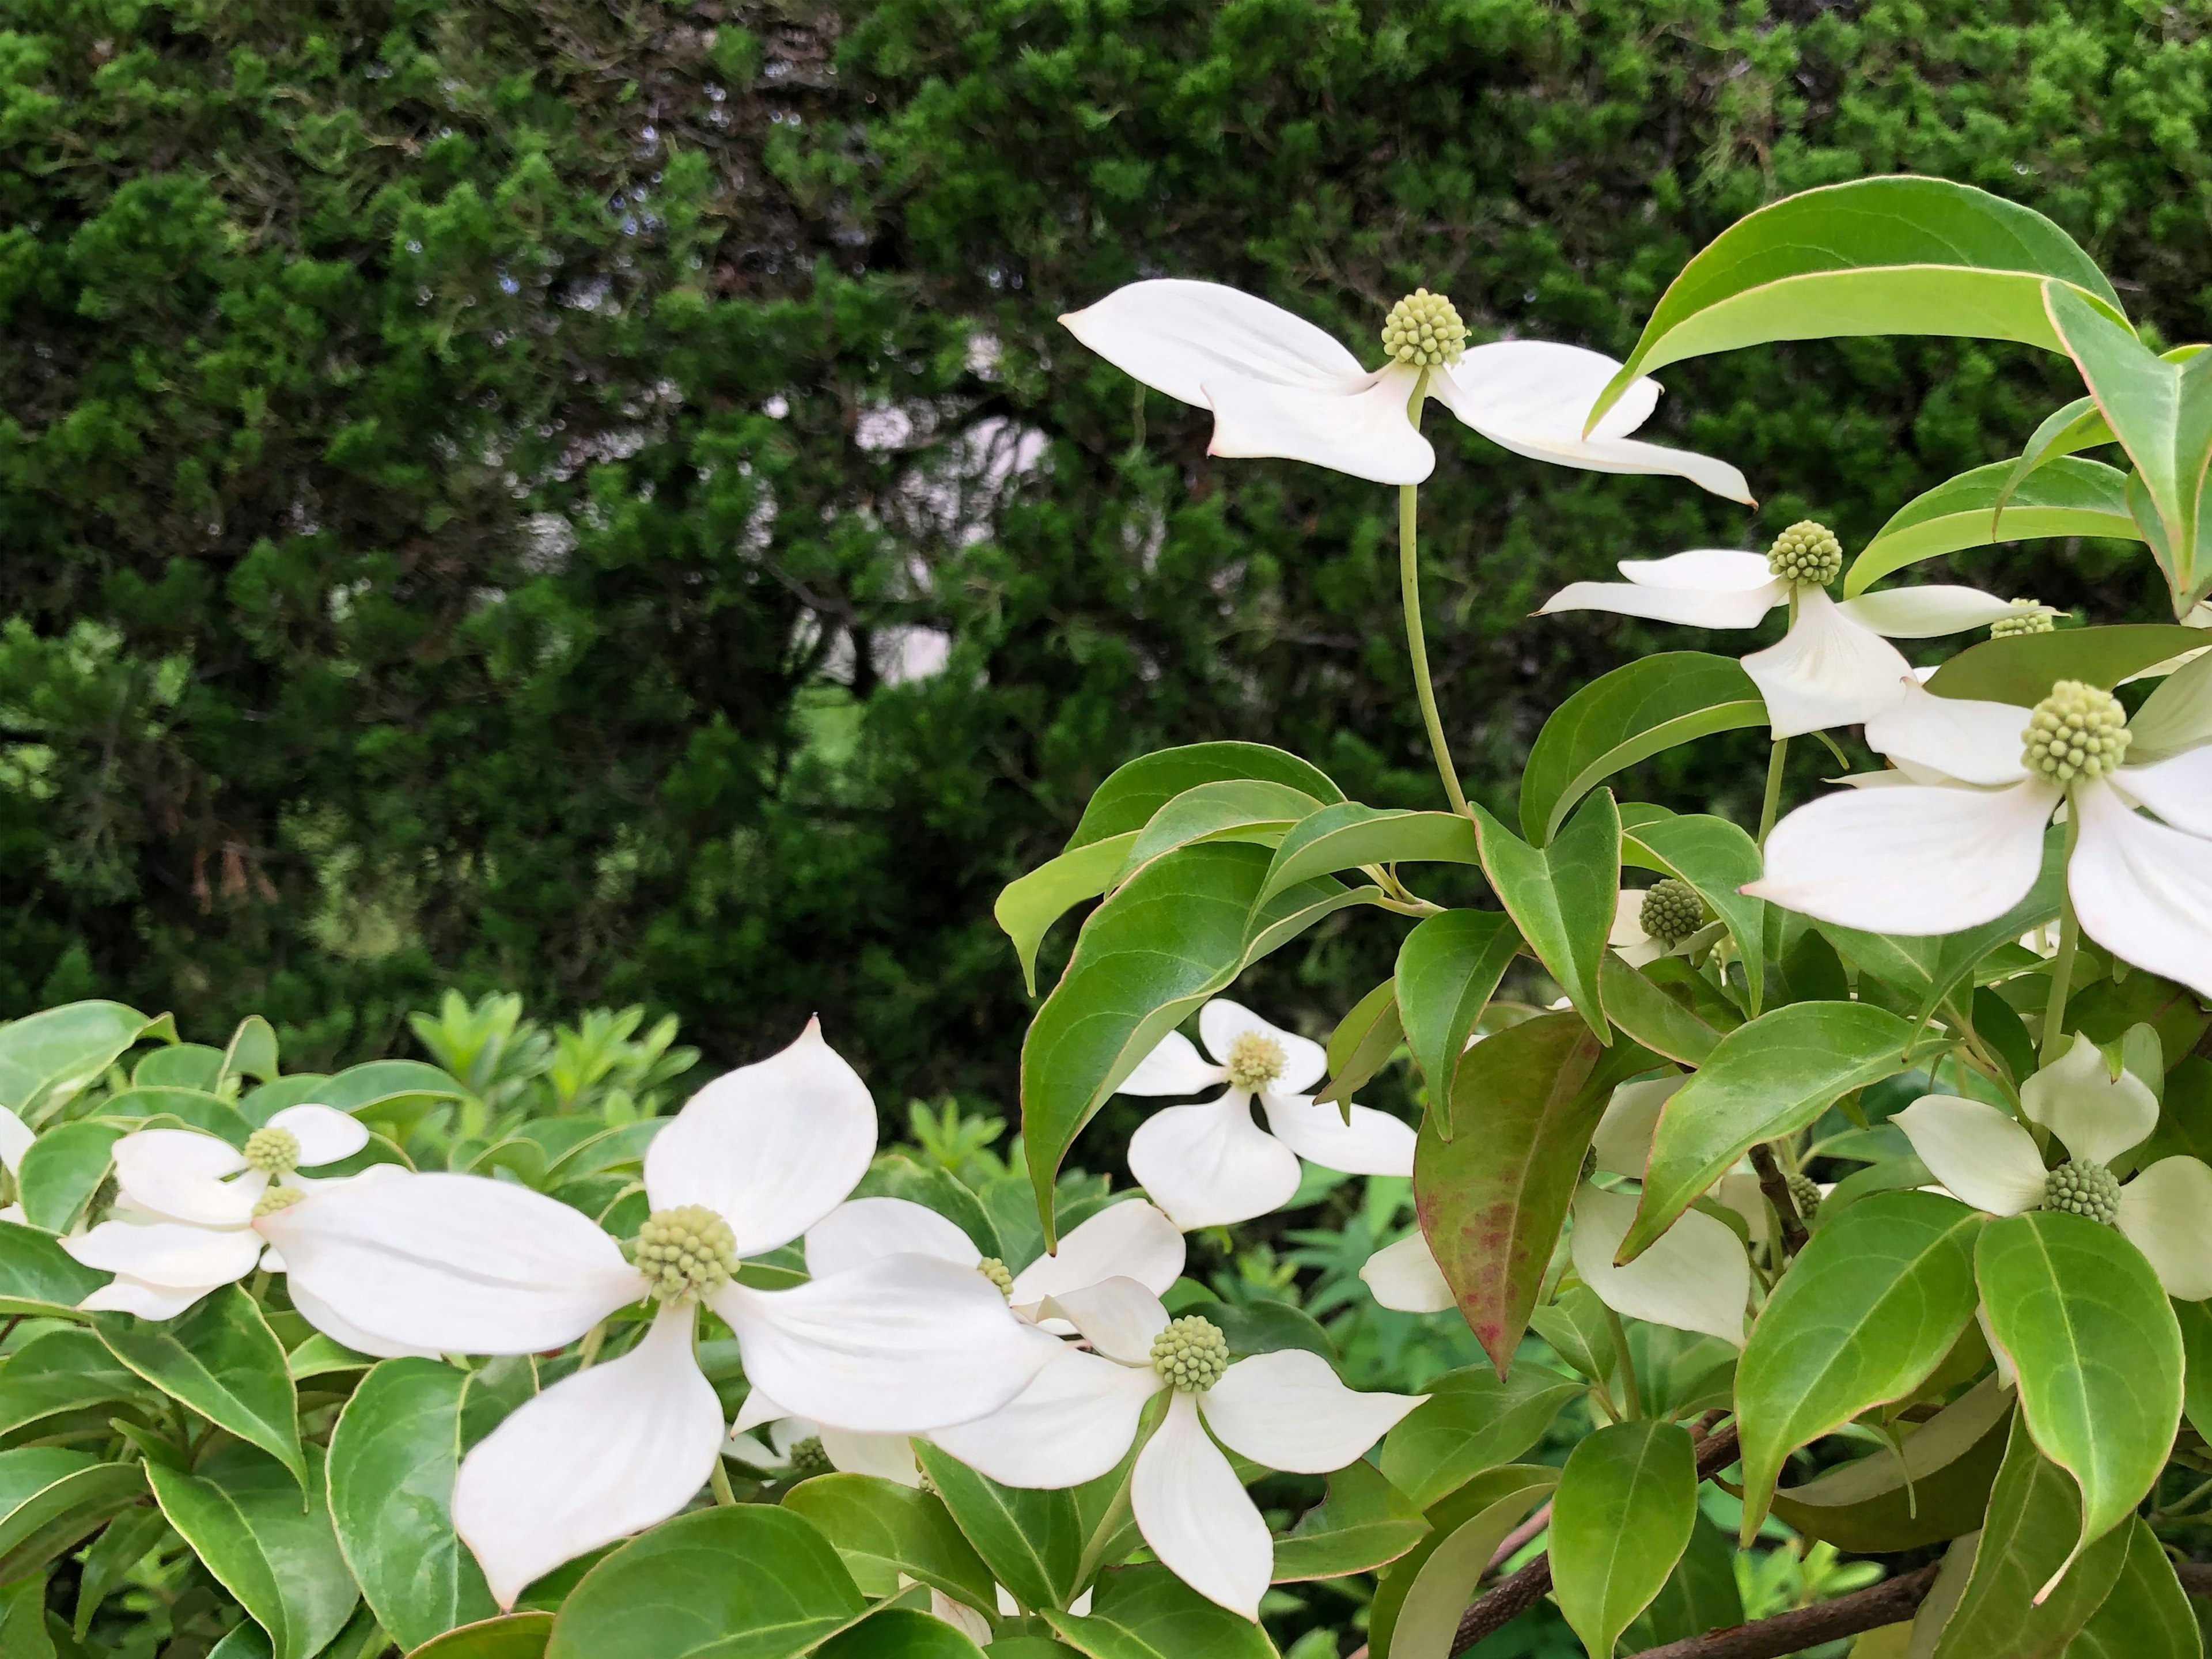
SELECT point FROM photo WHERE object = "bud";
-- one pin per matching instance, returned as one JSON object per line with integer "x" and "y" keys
{"x": 998, "y": 1273}
{"x": 1805, "y": 1193}
{"x": 1672, "y": 911}
{"x": 2077, "y": 731}
{"x": 1806, "y": 553}
{"x": 808, "y": 1459}
{"x": 686, "y": 1251}
{"x": 2087, "y": 1189}
{"x": 1423, "y": 330}
{"x": 1191, "y": 1354}
{"x": 276, "y": 1199}
{"x": 272, "y": 1151}
{"x": 2028, "y": 618}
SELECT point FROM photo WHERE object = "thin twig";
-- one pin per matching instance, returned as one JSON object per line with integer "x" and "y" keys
{"x": 1890, "y": 1601}
{"x": 1775, "y": 1186}
{"x": 1520, "y": 1535}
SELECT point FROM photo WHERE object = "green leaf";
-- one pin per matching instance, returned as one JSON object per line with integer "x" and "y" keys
{"x": 65, "y": 1371}
{"x": 1627, "y": 715}
{"x": 62, "y": 1170}
{"x": 1148, "y": 1612}
{"x": 1235, "y": 809}
{"x": 52, "y": 1499}
{"x": 881, "y": 1530}
{"x": 2067, "y": 497}
{"x": 1868, "y": 1309}
{"x": 240, "y": 1512}
{"x": 1032, "y": 1541}
{"x": 2178, "y": 715}
{"x": 47, "y": 1057}
{"x": 1716, "y": 858}
{"x": 1892, "y": 255}
{"x": 1262, "y": 1326}
{"x": 1767, "y": 1079}
{"x": 900, "y": 1633}
{"x": 321, "y": 1356}
{"x": 252, "y": 1051}
{"x": 1491, "y": 1203}
{"x": 38, "y": 1278}
{"x": 2089, "y": 1328}
{"x": 1580, "y": 1331}
{"x": 1363, "y": 1042}
{"x": 1363, "y": 1522}
{"x": 1939, "y": 1489}
{"x": 2022, "y": 670}
{"x": 220, "y": 1358}
{"x": 391, "y": 1094}
{"x": 1654, "y": 1018}
{"x": 1417, "y": 1605}
{"x": 2034, "y": 1516}
{"x": 517, "y": 1636}
{"x": 1472, "y": 1421}
{"x": 673, "y": 1591}
{"x": 197, "y": 1109}
{"x": 1620, "y": 1520}
{"x": 2146, "y": 1615}
{"x": 2196, "y": 1320}
{"x": 393, "y": 1458}
{"x": 1448, "y": 970}
{"x": 1029, "y": 905}
{"x": 1128, "y": 799}
{"x": 1348, "y": 834}
{"x": 179, "y": 1066}
{"x": 1700, "y": 1595}
{"x": 1562, "y": 896}
{"x": 894, "y": 1175}
{"x": 121, "y": 1547}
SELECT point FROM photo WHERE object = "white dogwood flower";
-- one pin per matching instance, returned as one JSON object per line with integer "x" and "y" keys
{"x": 1694, "y": 1277}
{"x": 463, "y": 1264}
{"x": 1279, "y": 386}
{"x": 1987, "y": 1159}
{"x": 1954, "y": 837}
{"x": 16, "y": 1138}
{"x": 1836, "y": 665}
{"x": 1078, "y": 1418}
{"x": 1651, "y": 923}
{"x": 1208, "y": 1165}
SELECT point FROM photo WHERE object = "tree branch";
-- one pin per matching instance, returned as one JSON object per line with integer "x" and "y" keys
{"x": 1775, "y": 1186}
{"x": 1890, "y": 1601}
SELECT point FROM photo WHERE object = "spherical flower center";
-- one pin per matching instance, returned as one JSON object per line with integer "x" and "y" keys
{"x": 272, "y": 1151}
{"x": 1807, "y": 553}
{"x": 2077, "y": 731}
{"x": 2078, "y": 1188}
{"x": 1423, "y": 330}
{"x": 998, "y": 1273}
{"x": 276, "y": 1199}
{"x": 1672, "y": 911}
{"x": 1254, "y": 1060}
{"x": 808, "y": 1459}
{"x": 1191, "y": 1354}
{"x": 687, "y": 1251}
{"x": 1805, "y": 1194}
{"x": 2028, "y": 618}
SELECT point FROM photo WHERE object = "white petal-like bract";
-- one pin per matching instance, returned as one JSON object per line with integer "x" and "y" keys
{"x": 1074, "y": 1421}
{"x": 2167, "y": 1214}
{"x": 1128, "y": 1240}
{"x": 1827, "y": 671}
{"x": 181, "y": 1174}
{"x": 865, "y": 1229}
{"x": 169, "y": 1254}
{"x": 1977, "y": 1152}
{"x": 1957, "y": 738}
{"x": 1176, "y": 335}
{"x": 1926, "y": 612}
{"x": 1210, "y": 1166}
{"x": 1404, "y": 1276}
{"x": 1305, "y": 1062}
{"x": 2095, "y": 1115}
{"x": 1119, "y": 1317}
{"x": 1623, "y": 1140}
{"x": 1194, "y": 1512}
{"x": 1290, "y": 1411}
{"x": 2144, "y": 890}
{"x": 324, "y": 1133}
{"x": 1174, "y": 1067}
{"x": 1695, "y": 1277}
{"x": 1693, "y": 607}
{"x": 2178, "y": 789}
{"x": 1373, "y": 1143}
{"x": 1363, "y": 430}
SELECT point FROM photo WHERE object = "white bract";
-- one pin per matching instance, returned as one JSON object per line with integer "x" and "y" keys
{"x": 1279, "y": 386}
{"x": 1954, "y": 838}
{"x": 1992, "y": 1162}
{"x": 1078, "y": 1418}
{"x": 1209, "y": 1165}
{"x": 193, "y": 1214}
{"x": 465, "y": 1265}
{"x": 1651, "y": 922}
{"x": 1694, "y": 1277}
{"x": 16, "y": 1138}
{"x": 1836, "y": 665}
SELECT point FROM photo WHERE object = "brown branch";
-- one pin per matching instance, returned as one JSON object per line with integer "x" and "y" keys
{"x": 1890, "y": 1602}
{"x": 1511, "y": 1597}
{"x": 1775, "y": 1186}
{"x": 1505, "y": 1552}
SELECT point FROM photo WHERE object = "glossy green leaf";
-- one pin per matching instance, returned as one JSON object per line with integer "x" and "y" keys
{"x": 2034, "y": 1518}
{"x": 1262, "y": 1326}
{"x": 882, "y": 1529}
{"x": 1128, "y": 799}
{"x": 1562, "y": 896}
{"x": 110, "y": 1558}
{"x": 1235, "y": 809}
{"x": 1767, "y": 1079}
{"x": 1891, "y": 255}
{"x": 1620, "y": 1520}
{"x": 1032, "y": 1541}
{"x": 196, "y": 1109}
{"x": 1348, "y": 834}
{"x": 2022, "y": 670}
{"x": 790, "y": 1593}
{"x": 52, "y": 1499}
{"x": 47, "y": 1057}
{"x": 1700, "y": 1595}
{"x": 394, "y": 1095}
{"x": 179, "y": 1065}
{"x": 517, "y": 1636}
{"x": 1638, "y": 1006}
{"x": 1718, "y": 859}
{"x": 40, "y": 1278}
{"x": 220, "y": 1358}
{"x": 241, "y": 1512}
{"x": 1626, "y": 715}
{"x": 2097, "y": 1350}
{"x": 321, "y": 1356}
{"x": 1448, "y": 970}
{"x": 1868, "y": 1309}
{"x": 1029, "y": 905}
{"x": 2176, "y": 716}
{"x": 251, "y": 1051}
{"x": 1576, "y": 1327}
{"x": 66, "y": 1370}
{"x": 2069, "y": 497}
{"x": 1363, "y": 1042}
{"x": 1418, "y": 1605}
{"x": 1492, "y": 1200}
{"x": 1472, "y": 1421}
{"x": 900, "y": 1633}
{"x": 2195, "y": 1321}
{"x": 1148, "y": 1612}
{"x": 62, "y": 1170}
{"x": 1938, "y": 1488}
{"x": 2146, "y": 1615}
{"x": 1363, "y": 1522}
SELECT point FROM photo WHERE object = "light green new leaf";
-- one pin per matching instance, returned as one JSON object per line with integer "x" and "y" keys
{"x": 2065, "y": 497}
{"x": 1620, "y": 1520}
{"x": 220, "y": 1358}
{"x": 1448, "y": 970}
{"x": 2034, "y": 1518}
{"x": 1029, "y": 905}
{"x": 66, "y": 1370}
{"x": 1031, "y": 1541}
{"x": 517, "y": 1636}
{"x": 1938, "y": 1489}
{"x": 1363, "y": 1522}
{"x": 1348, "y": 834}
{"x": 1865, "y": 1313}
{"x": 52, "y": 1499}
{"x": 41, "y": 1279}
{"x": 1148, "y": 1612}
{"x": 900, "y": 1633}
{"x": 47, "y": 1057}
{"x": 241, "y": 1510}
{"x": 1894, "y": 255}
{"x": 1579, "y": 1327}
{"x": 2146, "y": 1614}
{"x": 752, "y": 1582}
{"x": 1472, "y": 1421}
{"x": 2022, "y": 670}
{"x": 1129, "y": 797}
{"x": 1562, "y": 896}
{"x": 1363, "y": 1042}
{"x": 63, "y": 1168}
{"x": 2178, "y": 715}
{"x": 2089, "y": 1329}
{"x": 1718, "y": 859}
{"x": 1626, "y": 715}
{"x": 1234, "y": 809}
{"x": 1767, "y": 1079}
{"x": 1418, "y": 1605}
{"x": 882, "y": 1529}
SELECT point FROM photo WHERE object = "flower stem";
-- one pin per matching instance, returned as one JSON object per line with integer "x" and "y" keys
{"x": 719, "y": 1480}
{"x": 1777, "y": 758}
{"x": 2070, "y": 939}
{"x": 593, "y": 1338}
{"x": 1631, "y": 1396}
{"x": 1409, "y": 584}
